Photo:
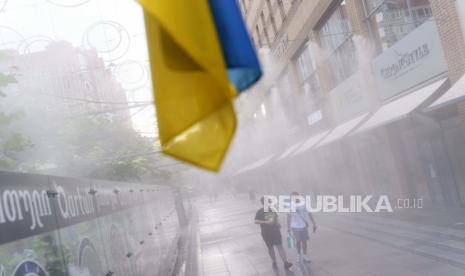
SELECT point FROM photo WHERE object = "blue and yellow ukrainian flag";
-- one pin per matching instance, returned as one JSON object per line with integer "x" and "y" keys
{"x": 201, "y": 58}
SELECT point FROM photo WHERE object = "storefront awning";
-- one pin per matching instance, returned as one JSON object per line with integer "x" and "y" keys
{"x": 255, "y": 164}
{"x": 454, "y": 94}
{"x": 289, "y": 150}
{"x": 310, "y": 142}
{"x": 399, "y": 108}
{"x": 342, "y": 130}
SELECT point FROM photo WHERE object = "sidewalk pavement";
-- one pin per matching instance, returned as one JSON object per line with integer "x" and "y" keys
{"x": 230, "y": 244}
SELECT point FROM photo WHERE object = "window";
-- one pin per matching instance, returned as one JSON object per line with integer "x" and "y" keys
{"x": 259, "y": 37}
{"x": 267, "y": 37}
{"x": 372, "y": 4}
{"x": 336, "y": 30}
{"x": 273, "y": 22}
{"x": 305, "y": 63}
{"x": 268, "y": 23}
{"x": 308, "y": 81}
{"x": 392, "y": 20}
{"x": 336, "y": 38}
{"x": 281, "y": 9}
{"x": 288, "y": 99}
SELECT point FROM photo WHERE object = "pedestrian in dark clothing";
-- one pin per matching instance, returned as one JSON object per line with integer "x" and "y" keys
{"x": 271, "y": 234}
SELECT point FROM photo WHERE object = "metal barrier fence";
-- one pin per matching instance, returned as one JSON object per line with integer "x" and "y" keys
{"x": 63, "y": 226}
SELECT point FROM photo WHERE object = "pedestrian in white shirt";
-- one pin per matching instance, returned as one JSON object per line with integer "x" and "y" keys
{"x": 297, "y": 225}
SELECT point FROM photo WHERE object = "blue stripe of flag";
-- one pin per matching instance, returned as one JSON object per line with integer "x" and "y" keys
{"x": 241, "y": 60}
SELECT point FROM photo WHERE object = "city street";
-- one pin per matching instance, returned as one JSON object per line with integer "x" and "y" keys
{"x": 230, "y": 244}
{"x": 134, "y": 135}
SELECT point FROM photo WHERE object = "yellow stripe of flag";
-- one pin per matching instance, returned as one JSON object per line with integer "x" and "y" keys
{"x": 192, "y": 93}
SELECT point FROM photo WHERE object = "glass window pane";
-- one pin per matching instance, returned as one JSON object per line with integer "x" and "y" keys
{"x": 336, "y": 38}
{"x": 396, "y": 18}
{"x": 336, "y": 29}
{"x": 305, "y": 62}
{"x": 372, "y": 4}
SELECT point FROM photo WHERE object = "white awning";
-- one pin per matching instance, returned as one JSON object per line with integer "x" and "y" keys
{"x": 255, "y": 164}
{"x": 399, "y": 108}
{"x": 342, "y": 130}
{"x": 312, "y": 141}
{"x": 456, "y": 92}
{"x": 289, "y": 150}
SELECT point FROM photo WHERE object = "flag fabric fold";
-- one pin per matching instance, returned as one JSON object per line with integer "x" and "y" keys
{"x": 200, "y": 58}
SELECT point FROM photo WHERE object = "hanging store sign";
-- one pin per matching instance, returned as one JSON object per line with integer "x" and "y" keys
{"x": 413, "y": 60}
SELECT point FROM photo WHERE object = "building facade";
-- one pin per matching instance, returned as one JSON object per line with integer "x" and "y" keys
{"x": 74, "y": 81}
{"x": 367, "y": 77}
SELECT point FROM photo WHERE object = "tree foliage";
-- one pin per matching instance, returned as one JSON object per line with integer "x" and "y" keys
{"x": 108, "y": 148}
{"x": 11, "y": 143}
{"x": 38, "y": 135}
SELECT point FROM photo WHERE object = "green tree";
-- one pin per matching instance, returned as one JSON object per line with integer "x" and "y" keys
{"x": 110, "y": 149}
{"x": 93, "y": 145}
{"x": 12, "y": 143}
